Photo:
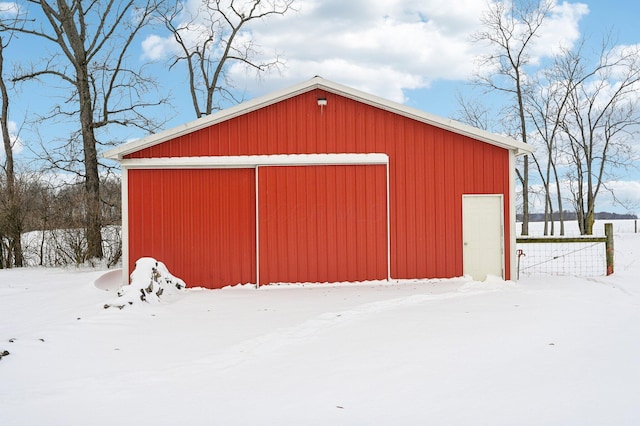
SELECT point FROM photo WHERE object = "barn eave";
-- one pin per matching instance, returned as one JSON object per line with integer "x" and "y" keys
{"x": 119, "y": 152}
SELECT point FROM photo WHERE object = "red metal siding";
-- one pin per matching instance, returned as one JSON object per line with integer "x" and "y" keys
{"x": 322, "y": 223}
{"x": 430, "y": 168}
{"x": 200, "y": 222}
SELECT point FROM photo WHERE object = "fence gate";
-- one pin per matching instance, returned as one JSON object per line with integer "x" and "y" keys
{"x": 573, "y": 256}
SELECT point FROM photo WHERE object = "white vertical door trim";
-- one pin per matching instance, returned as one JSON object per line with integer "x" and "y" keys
{"x": 124, "y": 230}
{"x": 257, "y": 213}
{"x": 388, "y": 225}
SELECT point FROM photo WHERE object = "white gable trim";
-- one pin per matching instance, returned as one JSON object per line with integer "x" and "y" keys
{"x": 119, "y": 152}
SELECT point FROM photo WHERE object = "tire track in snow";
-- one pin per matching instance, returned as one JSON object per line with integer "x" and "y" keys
{"x": 290, "y": 336}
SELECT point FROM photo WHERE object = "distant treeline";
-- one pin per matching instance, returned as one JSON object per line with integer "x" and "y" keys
{"x": 569, "y": 215}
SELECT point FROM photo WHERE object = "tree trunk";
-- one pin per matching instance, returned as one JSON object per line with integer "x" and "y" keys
{"x": 14, "y": 218}
{"x": 560, "y": 209}
{"x": 580, "y": 216}
{"x": 590, "y": 219}
{"x": 590, "y": 216}
{"x": 525, "y": 167}
{"x": 93, "y": 219}
{"x": 525, "y": 196}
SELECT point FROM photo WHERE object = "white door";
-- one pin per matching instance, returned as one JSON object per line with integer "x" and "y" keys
{"x": 482, "y": 236}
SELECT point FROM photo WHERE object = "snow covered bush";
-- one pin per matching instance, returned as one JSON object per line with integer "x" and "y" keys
{"x": 149, "y": 281}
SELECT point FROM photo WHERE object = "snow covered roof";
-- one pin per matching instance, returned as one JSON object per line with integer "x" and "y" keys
{"x": 119, "y": 152}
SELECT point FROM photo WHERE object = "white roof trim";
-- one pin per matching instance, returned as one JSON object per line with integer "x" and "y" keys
{"x": 119, "y": 152}
{"x": 251, "y": 161}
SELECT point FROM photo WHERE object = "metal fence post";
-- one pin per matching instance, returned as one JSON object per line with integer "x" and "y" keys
{"x": 608, "y": 232}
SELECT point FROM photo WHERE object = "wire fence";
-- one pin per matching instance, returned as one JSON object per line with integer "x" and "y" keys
{"x": 571, "y": 258}
{"x": 583, "y": 256}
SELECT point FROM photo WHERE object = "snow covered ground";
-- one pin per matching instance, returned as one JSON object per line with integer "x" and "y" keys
{"x": 543, "y": 351}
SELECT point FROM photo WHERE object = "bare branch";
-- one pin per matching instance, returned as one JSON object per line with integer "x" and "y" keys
{"x": 221, "y": 41}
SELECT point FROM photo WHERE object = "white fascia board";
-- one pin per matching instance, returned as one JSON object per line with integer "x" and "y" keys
{"x": 251, "y": 161}
{"x": 119, "y": 152}
{"x": 512, "y": 218}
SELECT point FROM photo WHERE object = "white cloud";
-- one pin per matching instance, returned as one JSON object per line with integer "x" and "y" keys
{"x": 560, "y": 30}
{"x": 9, "y": 9}
{"x": 16, "y": 142}
{"x": 622, "y": 196}
{"x": 383, "y": 47}
{"x": 386, "y": 47}
{"x": 156, "y": 48}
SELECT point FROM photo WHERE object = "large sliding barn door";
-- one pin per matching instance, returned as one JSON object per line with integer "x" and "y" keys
{"x": 323, "y": 223}
{"x": 199, "y": 222}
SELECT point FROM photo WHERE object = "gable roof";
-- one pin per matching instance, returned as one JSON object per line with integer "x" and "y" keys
{"x": 120, "y": 151}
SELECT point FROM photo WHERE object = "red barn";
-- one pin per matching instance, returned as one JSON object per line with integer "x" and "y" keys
{"x": 320, "y": 183}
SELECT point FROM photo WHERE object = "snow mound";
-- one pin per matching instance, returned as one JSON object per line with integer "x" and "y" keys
{"x": 149, "y": 281}
{"x": 109, "y": 281}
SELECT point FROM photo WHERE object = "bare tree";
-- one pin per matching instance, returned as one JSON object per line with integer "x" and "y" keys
{"x": 547, "y": 111}
{"x": 510, "y": 29}
{"x": 602, "y": 118}
{"x": 91, "y": 41}
{"x": 210, "y": 37}
{"x": 11, "y": 211}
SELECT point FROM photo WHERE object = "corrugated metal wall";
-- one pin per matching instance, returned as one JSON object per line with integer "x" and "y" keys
{"x": 204, "y": 229}
{"x": 322, "y": 223}
{"x": 430, "y": 168}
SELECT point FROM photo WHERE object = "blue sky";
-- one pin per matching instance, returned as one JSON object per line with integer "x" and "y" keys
{"x": 413, "y": 51}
